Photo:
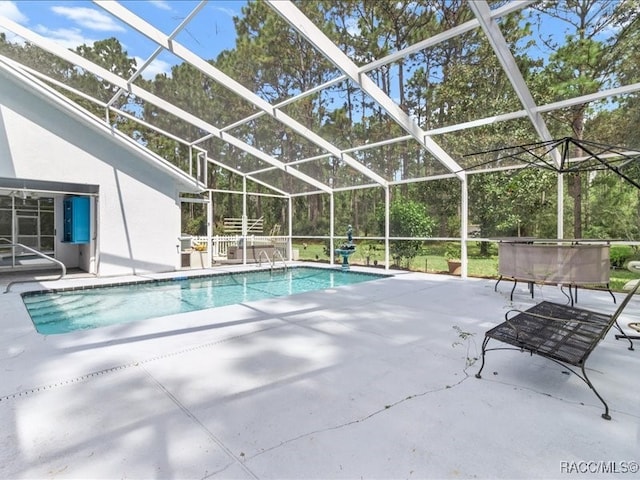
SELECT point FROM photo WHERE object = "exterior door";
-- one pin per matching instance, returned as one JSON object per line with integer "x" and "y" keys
{"x": 27, "y": 230}
{"x": 30, "y": 222}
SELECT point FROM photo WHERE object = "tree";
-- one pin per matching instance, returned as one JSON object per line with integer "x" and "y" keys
{"x": 594, "y": 41}
{"x": 613, "y": 208}
{"x": 407, "y": 218}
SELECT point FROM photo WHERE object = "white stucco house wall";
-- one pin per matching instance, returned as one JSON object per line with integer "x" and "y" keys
{"x": 52, "y": 148}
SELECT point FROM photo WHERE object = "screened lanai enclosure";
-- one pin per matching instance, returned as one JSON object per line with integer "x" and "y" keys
{"x": 423, "y": 121}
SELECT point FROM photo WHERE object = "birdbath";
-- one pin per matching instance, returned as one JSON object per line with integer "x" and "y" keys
{"x": 347, "y": 249}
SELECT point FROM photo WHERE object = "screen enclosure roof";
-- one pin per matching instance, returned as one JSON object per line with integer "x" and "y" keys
{"x": 305, "y": 97}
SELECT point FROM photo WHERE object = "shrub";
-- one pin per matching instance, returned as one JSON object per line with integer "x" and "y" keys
{"x": 453, "y": 252}
{"x": 619, "y": 255}
{"x": 406, "y": 219}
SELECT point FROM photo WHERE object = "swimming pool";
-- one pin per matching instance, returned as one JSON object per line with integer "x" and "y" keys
{"x": 66, "y": 310}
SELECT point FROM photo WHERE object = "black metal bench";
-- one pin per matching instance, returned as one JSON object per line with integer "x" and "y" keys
{"x": 562, "y": 333}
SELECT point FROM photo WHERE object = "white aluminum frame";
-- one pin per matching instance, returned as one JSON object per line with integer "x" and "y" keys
{"x": 485, "y": 19}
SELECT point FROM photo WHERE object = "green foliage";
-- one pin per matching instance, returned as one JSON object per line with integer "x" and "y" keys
{"x": 516, "y": 203}
{"x": 372, "y": 250}
{"x": 432, "y": 259}
{"x": 326, "y": 248}
{"x": 194, "y": 219}
{"x": 459, "y": 81}
{"x": 619, "y": 277}
{"x": 406, "y": 219}
{"x": 442, "y": 200}
{"x": 613, "y": 208}
{"x": 466, "y": 339}
{"x": 311, "y": 251}
{"x": 453, "y": 251}
{"x": 619, "y": 255}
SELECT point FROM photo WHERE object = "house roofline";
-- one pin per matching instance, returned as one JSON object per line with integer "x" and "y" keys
{"x": 186, "y": 183}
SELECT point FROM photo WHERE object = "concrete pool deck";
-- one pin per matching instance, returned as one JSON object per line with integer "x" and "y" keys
{"x": 373, "y": 380}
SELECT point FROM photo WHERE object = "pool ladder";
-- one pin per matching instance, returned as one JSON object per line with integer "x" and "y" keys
{"x": 271, "y": 263}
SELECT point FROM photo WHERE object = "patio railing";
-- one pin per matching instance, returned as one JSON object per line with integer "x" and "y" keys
{"x": 220, "y": 244}
{"x": 38, "y": 253}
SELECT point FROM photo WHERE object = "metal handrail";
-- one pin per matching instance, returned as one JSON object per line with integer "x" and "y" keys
{"x": 272, "y": 263}
{"x": 260, "y": 258}
{"x": 277, "y": 253}
{"x": 38, "y": 253}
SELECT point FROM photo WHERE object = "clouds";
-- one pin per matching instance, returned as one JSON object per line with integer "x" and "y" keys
{"x": 95, "y": 20}
{"x": 11, "y": 11}
{"x": 227, "y": 11}
{"x": 81, "y": 19}
{"x": 67, "y": 37}
{"x": 161, "y": 4}
{"x": 68, "y": 26}
{"x": 72, "y": 26}
{"x": 154, "y": 68}
{"x": 75, "y": 23}
{"x": 88, "y": 18}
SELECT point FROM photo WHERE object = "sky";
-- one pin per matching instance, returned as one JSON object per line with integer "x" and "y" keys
{"x": 73, "y": 23}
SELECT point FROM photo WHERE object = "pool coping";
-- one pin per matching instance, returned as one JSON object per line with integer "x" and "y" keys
{"x": 175, "y": 280}
{"x": 183, "y": 277}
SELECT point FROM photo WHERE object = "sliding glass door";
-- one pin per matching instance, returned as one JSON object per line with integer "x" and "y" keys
{"x": 27, "y": 221}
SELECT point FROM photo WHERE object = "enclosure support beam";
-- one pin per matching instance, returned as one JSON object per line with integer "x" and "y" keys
{"x": 244, "y": 220}
{"x": 232, "y": 85}
{"x": 499, "y": 45}
{"x": 209, "y": 229}
{"x": 290, "y": 222}
{"x": 386, "y": 227}
{"x": 331, "y": 227}
{"x": 464, "y": 225}
{"x": 316, "y": 37}
{"x": 560, "y": 204}
{"x": 491, "y": 29}
{"x": 74, "y": 58}
{"x": 391, "y": 58}
{"x": 185, "y": 21}
{"x": 493, "y": 33}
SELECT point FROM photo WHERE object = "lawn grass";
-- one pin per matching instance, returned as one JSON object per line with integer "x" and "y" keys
{"x": 618, "y": 277}
{"x": 432, "y": 261}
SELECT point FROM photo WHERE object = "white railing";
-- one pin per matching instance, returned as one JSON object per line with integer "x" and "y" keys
{"x": 271, "y": 261}
{"x": 234, "y": 225}
{"x": 278, "y": 254}
{"x": 220, "y": 243}
{"x": 37, "y": 253}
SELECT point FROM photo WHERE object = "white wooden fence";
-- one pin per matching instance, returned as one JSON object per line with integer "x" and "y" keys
{"x": 234, "y": 225}
{"x": 220, "y": 243}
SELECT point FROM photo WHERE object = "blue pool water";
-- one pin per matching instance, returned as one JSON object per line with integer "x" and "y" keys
{"x": 77, "y": 309}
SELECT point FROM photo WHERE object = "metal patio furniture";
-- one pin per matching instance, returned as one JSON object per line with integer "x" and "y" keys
{"x": 561, "y": 333}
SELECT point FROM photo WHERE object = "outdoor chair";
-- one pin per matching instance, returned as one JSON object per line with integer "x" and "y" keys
{"x": 561, "y": 333}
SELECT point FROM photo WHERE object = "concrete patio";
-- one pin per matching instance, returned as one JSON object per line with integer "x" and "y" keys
{"x": 374, "y": 380}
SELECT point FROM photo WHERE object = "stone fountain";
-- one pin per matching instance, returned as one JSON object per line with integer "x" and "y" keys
{"x": 347, "y": 249}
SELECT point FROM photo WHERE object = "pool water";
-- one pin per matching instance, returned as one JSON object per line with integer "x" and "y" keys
{"x": 54, "y": 312}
